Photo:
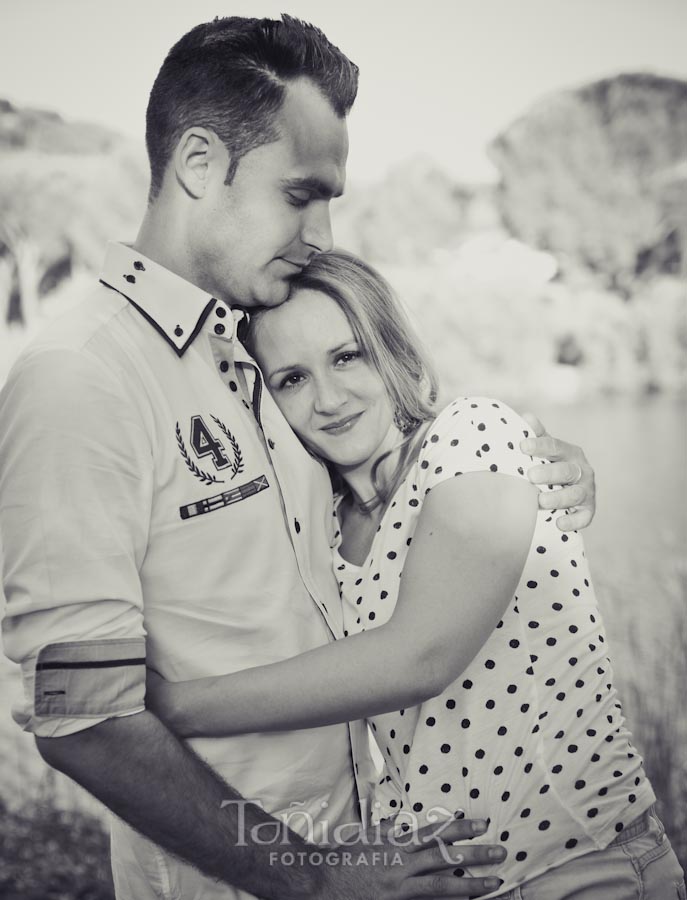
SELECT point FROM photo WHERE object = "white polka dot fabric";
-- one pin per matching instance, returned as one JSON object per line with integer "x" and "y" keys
{"x": 531, "y": 735}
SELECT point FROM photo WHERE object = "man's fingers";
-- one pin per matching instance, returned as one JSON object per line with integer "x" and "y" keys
{"x": 576, "y": 520}
{"x": 557, "y": 473}
{"x": 449, "y": 886}
{"x": 569, "y": 467}
{"x": 481, "y": 854}
{"x": 448, "y": 832}
{"x": 564, "y": 498}
{"x": 545, "y": 447}
{"x": 535, "y": 424}
{"x": 437, "y": 856}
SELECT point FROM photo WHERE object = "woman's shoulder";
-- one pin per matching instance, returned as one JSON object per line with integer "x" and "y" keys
{"x": 479, "y": 414}
{"x": 475, "y": 434}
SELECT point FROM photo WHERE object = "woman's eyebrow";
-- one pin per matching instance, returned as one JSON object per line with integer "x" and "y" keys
{"x": 291, "y": 366}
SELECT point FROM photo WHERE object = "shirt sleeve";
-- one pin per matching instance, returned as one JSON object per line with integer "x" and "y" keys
{"x": 75, "y": 501}
{"x": 474, "y": 434}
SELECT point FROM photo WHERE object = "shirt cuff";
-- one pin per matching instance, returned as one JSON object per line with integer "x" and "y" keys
{"x": 77, "y": 684}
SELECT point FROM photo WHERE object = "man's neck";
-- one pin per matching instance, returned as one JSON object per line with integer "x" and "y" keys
{"x": 160, "y": 238}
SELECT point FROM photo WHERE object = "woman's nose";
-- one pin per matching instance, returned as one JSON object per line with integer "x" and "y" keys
{"x": 329, "y": 397}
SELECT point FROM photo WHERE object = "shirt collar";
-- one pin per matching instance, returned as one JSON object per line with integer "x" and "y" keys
{"x": 174, "y": 307}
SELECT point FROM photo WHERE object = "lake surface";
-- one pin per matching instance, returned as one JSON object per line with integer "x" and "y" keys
{"x": 637, "y": 547}
{"x": 639, "y": 452}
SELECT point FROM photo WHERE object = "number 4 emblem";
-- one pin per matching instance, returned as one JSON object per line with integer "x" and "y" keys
{"x": 204, "y": 443}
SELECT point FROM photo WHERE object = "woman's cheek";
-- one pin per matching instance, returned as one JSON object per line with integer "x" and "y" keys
{"x": 293, "y": 407}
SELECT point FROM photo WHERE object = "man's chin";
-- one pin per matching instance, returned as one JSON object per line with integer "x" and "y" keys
{"x": 275, "y": 294}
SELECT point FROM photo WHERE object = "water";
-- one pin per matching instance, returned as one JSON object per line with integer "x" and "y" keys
{"x": 639, "y": 453}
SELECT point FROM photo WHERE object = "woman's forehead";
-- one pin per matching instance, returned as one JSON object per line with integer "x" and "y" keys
{"x": 309, "y": 321}
{"x": 307, "y": 310}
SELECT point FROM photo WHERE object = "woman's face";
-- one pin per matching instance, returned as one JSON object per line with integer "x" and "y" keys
{"x": 331, "y": 396}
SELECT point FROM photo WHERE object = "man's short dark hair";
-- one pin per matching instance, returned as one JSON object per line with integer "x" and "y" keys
{"x": 230, "y": 76}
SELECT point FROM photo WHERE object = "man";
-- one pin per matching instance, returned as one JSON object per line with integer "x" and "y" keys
{"x": 154, "y": 504}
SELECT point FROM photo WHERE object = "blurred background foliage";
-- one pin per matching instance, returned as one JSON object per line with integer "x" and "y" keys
{"x": 565, "y": 279}
{"x": 560, "y": 288}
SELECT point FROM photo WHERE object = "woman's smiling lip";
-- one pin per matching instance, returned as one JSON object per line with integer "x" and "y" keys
{"x": 341, "y": 424}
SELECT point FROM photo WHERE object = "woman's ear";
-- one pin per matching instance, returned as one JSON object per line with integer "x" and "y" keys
{"x": 198, "y": 152}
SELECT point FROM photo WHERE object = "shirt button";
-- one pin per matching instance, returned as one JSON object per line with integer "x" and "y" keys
{"x": 233, "y": 386}
{"x": 224, "y": 366}
{"x": 270, "y": 443}
{"x": 219, "y": 329}
{"x": 178, "y": 331}
{"x": 221, "y": 311}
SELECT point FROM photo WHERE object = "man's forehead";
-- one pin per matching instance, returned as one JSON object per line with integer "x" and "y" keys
{"x": 316, "y": 137}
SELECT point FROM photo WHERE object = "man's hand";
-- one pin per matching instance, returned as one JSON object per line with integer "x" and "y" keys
{"x": 570, "y": 470}
{"x": 403, "y": 866}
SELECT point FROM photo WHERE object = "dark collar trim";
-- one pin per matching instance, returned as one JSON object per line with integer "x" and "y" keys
{"x": 160, "y": 330}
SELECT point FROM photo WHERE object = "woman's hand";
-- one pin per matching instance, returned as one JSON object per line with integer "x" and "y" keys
{"x": 570, "y": 472}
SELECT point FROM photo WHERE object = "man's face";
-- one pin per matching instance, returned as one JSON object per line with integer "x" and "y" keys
{"x": 251, "y": 237}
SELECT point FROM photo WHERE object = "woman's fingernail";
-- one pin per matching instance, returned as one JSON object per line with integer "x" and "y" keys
{"x": 479, "y": 826}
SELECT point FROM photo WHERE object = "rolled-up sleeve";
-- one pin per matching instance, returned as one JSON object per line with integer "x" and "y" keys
{"x": 75, "y": 505}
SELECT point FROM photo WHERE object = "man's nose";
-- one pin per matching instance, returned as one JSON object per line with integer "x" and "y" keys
{"x": 317, "y": 227}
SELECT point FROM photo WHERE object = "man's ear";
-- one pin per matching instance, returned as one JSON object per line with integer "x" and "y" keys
{"x": 198, "y": 153}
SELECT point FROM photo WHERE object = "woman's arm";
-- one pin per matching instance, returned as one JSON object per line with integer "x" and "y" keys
{"x": 461, "y": 571}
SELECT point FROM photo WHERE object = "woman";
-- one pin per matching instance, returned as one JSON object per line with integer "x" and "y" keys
{"x": 475, "y": 646}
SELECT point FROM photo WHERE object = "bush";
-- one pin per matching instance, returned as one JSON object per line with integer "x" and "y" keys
{"x": 52, "y": 854}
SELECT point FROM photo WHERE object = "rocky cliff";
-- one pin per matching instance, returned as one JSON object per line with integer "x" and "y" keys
{"x": 590, "y": 175}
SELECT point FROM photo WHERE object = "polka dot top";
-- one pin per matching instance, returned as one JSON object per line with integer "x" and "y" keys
{"x": 531, "y": 735}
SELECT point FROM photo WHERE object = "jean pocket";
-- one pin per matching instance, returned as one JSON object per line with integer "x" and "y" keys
{"x": 661, "y": 873}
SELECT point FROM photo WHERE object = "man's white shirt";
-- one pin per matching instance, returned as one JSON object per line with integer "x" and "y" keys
{"x": 155, "y": 505}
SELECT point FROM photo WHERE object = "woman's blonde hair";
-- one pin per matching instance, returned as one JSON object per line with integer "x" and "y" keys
{"x": 386, "y": 339}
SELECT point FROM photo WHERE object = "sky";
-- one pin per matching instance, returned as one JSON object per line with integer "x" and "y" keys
{"x": 439, "y": 78}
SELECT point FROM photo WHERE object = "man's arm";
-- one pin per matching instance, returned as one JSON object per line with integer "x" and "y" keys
{"x": 140, "y": 771}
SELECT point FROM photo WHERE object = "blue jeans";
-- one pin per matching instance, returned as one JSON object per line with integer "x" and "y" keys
{"x": 639, "y": 864}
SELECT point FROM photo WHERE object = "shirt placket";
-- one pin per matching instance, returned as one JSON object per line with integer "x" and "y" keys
{"x": 296, "y": 518}
{"x": 222, "y": 337}
{"x": 361, "y": 763}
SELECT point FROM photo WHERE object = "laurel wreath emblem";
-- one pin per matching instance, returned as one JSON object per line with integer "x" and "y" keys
{"x": 205, "y": 477}
{"x": 237, "y": 465}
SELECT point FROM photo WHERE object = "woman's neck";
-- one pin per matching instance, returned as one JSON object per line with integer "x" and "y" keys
{"x": 359, "y": 478}
{"x": 358, "y": 516}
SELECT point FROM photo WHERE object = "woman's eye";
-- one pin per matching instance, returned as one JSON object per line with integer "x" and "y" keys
{"x": 291, "y": 381}
{"x": 348, "y": 357}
